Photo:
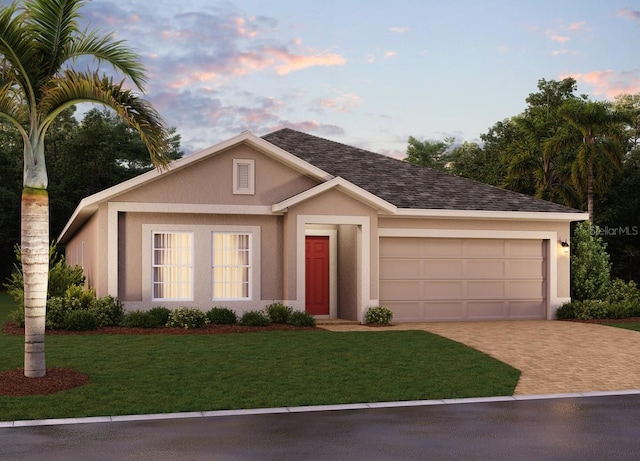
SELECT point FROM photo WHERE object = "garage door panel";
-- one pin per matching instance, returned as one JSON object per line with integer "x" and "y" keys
{"x": 481, "y": 269}
{"x": 463, "y": 279}
{"x": 486, "y": 289}
{"x": 525, "y": 268}
{"x": 443, "y": 289}
{"x": 489, "y": 310}
{"x": 400, "y": 269}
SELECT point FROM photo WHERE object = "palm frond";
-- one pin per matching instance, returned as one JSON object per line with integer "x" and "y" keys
{"x": 53, "y": 25}
{"x": 16, "y": 52}
{"x": 114, "y": 52}
{"x": 74, "y": 87}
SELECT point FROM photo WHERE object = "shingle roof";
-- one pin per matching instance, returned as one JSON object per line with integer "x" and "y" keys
{"x": 403, "y": 184}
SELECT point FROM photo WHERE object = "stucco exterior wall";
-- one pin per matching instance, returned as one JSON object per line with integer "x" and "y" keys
{"x": 210, "y": 181}
{"x": 81, "y": 250}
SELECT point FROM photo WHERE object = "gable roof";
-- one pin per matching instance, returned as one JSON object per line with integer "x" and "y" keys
{"x": 404, "y": 184}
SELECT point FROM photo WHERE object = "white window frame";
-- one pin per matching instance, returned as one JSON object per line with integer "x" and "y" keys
{"x": 191, "y": 265}
{"x": 250, "y": 164}
{"x": 248, "y": 266}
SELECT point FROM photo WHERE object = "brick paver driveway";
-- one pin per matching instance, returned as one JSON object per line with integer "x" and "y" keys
{"x": 553, "y": 356}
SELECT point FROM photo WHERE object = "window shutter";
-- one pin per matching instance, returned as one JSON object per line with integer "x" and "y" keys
{"x": 243, "y": 176}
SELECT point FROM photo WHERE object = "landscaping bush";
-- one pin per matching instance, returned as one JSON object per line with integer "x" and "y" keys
{"x": 379, "y": 315}
{"x": 254, "y": 319}
{"x": 301, "y": 319}
{"x": 80, "y": 320}
{"x": 159, "y": 316}
{"x": 222, "y": 316}
{"x": 278, "y": 312}
{"x": 592, "y": 309}
{"x": 56, "y": 313}
{"x": 187, "y": 318}
{"x": 590, "y": 266}
{"x": 108, "y": 311}
{"x": 61, "y": 276}
{"x": 568, "y": 310}
{"x": 619, "y": 290}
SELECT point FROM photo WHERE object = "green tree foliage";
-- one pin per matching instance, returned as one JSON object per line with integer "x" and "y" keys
{"x": 590, "y": 266}
{"x": 429, "y": 153}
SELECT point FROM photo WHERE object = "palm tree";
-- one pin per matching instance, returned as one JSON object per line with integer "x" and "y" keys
{"x": 39, "y": 41}
{"x": 598, "y": 137}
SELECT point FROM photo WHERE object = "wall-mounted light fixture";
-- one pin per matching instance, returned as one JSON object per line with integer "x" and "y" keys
{"x": 565, "y": 246}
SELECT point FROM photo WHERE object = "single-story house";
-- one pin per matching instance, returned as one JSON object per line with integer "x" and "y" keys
{"x": 323, "y": 227}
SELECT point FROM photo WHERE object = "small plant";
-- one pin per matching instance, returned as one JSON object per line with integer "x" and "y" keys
{"x": 80, "y": 320}
{"x": 56, "y": 313}
{"x": 222, "y": 316}
{"x": 301, "y": 319}
{"x": 278, "y": 312}
{"x": 379, "y": 315}
{"x": 187, "y": 318}
{"x": 158, "y": 316}
{"x": 254, "y": 319}
{"x": 568, "y": 310}
{"x": 592, "y": 309}
{"x": 108, "y": 310}
{"x": 619, "y": 290}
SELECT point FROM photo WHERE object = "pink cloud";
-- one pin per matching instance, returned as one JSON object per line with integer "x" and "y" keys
{"x": 399, "y": 30}
{"x": 291, "y": 62}
{"x": 609, "y": 83}
{"x": 342, "y": 103}
{"x": 560, "y": 38}
{"x": 390, "y": 54}
{"x": 630, "y": 14}
{"x": 575, "y": 26}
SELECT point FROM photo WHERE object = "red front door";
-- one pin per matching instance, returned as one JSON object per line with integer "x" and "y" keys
{"x": 317, "y": 275}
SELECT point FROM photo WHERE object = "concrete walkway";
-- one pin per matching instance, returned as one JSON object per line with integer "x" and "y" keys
{"x": 553, "y": 356}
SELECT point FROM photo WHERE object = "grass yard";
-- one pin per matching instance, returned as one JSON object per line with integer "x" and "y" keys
{"x": 627, "y": 325}
{"x": 132, "y": 374}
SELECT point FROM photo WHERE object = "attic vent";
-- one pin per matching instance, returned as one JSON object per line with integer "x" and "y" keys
{"x": 243, "y": 176}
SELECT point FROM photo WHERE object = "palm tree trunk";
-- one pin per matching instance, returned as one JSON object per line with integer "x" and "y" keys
{"x": 35, "y": 268}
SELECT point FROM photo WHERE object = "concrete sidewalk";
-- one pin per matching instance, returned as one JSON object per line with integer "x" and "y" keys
{"x": 553, "y": 356}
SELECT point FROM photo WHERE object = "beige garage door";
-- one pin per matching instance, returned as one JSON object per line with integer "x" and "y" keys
{"x": 437, "y": 279}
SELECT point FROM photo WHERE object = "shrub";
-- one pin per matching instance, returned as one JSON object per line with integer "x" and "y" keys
{"x": 619, "y": 290}
{"x": 56, "y": 313}
{"x": 380, "y": 315}
{"x": 590, "y": 266}
{"x": 278, "y": 312}
{"x": 568, "y": 310}
{"x": 254, "y": 319}
{"x": 17, "y": 316}
{"x": 301, "y": 319}
{"x": 108, "y": 311}
{"x": 77, "y": 298}
{"x": 187, "y": 318}
{"x": 61, "y": 276}
{"x": 222, "y": 316}
{"x": 592, "y": 309}
{"x": 158, "y": 316}
{"x": 80, "y": 320}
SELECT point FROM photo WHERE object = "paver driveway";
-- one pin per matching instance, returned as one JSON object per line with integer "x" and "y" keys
{"x": 553, "y": 356}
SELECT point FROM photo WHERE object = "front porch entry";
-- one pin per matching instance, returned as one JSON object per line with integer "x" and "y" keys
{"x": 317, "y": 275}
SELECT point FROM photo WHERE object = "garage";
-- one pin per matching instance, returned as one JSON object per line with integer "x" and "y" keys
{"x": 447, "y": 279}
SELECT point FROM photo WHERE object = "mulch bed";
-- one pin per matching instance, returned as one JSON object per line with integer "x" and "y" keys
{"x": 14, "y": 383}
{"x": 627, "y": 320}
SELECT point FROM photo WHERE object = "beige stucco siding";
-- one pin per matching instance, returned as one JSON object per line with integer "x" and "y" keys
{"x": 81, "y": 250}
{"x": 210, "y": 181}
{"x": 131, "y": 249}
{"x": 335, "y": 207}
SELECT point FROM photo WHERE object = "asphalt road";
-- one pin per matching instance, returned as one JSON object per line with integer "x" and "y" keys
{"x": 590, "y": 428}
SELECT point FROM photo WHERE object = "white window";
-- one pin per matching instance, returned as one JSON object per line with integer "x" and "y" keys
{"x": 231, "y": 265}
{"x": 243, "y": 176}
{"x": 172, "y": 268}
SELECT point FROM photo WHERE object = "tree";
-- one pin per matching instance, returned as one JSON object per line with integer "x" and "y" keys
{"x": 590, "y": 266}
{"x": 432, "y": 154}
{"x": 472, "y": 161}
{"x": 597, "y": 134}
{"x": 39, "y": 40}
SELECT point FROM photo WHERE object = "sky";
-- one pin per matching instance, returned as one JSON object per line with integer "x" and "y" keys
{"x": 367, "y": 73}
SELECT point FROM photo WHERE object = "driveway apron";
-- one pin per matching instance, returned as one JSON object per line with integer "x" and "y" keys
{"x": 553, "y": 356}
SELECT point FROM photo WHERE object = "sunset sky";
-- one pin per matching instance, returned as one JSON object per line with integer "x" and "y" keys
{"x": 367, "y": 73}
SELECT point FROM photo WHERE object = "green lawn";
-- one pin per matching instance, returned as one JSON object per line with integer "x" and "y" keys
{"x": 629, "y": 325}
{"x": 159, "y": 374}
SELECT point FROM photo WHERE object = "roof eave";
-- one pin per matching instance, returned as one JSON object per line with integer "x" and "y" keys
{"x": 496, "y": 215}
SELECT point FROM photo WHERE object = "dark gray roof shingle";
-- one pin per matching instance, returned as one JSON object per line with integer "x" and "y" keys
{"x": 403, "y": 184}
